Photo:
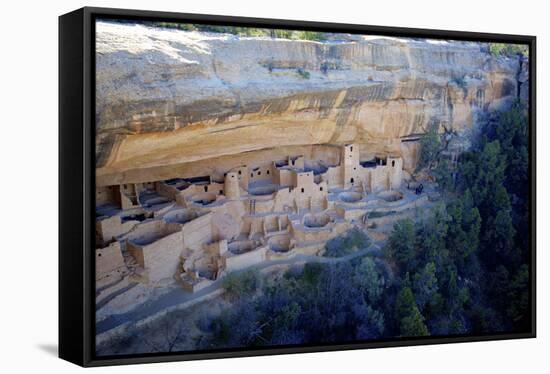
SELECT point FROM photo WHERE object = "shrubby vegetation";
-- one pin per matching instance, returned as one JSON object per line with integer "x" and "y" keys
{"x": 241, "y": 284}
{"x": 460, "y": 81}
{"x": 303, "y": 73}
{"x": 320, "y": 303}
{"x": 506, "y": 49}
{"x": 347, "y": 243}
{"x": 379, "y": 214}
{"x": 235, "y": 30}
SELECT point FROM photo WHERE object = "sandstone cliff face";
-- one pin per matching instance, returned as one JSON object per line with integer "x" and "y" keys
{"x": 172, "y": 103}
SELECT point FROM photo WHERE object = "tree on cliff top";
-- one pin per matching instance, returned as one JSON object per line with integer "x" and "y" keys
{"x": 235, "y": 30}
{"x": 507, "y": 49}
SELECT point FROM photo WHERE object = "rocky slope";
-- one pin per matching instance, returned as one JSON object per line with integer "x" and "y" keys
{"x": 173, "y": 102}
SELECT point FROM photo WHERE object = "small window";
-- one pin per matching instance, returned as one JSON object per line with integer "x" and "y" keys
{"x": 99, "y": 255}
{"x": 221, "y": 192}
{"x": 351, "y": 180}
{"x": 393, "y": 163}
{"x": 354, "y": 168}
{"x": 125, "y": 186}
{"x": 268, "y": 172}
{"x": 320, "y": 188}
{"x": 259, "y": 173}
{"x": 232, "y": 175}
{"x": 292, "y": 162}
{"x": 303, "y": 190}
{"x": 251, "y": 175}
{"x": 240, "y": 172}
{"x": 205, "y": 188}
{"x": 351, "y": 149}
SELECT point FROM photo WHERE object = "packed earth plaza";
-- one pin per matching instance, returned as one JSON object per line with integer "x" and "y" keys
{"x": 194, "y": 231}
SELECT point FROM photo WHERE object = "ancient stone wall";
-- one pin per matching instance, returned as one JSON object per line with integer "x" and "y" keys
{"x": 198, "y": 231}
{"x": 244, "y": 260}
{"x": 109, "y": 228}
{"x": 108, "y": 259}
{"x": 162, "y": 257}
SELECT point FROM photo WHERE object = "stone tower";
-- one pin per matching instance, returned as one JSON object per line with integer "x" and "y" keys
{"x": 395, "y": 172}
{"x": 350, "y": 163}
{"x": 231, "y": 185}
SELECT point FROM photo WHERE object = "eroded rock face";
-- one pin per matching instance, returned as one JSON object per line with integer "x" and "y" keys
{"x": 171, "y": 103}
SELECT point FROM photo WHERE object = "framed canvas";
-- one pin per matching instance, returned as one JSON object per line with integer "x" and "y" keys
{"x": 236, "y": 186}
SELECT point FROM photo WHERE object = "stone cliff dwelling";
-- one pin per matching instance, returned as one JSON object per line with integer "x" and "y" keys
{"x": 196, "y": 230}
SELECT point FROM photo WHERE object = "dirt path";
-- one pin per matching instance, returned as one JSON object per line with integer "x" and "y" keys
{"x": 179, "y": 296}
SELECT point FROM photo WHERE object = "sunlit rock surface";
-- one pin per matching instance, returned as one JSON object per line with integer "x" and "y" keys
{"x": 176, "y": 103}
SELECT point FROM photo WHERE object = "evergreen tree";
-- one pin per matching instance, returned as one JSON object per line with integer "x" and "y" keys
{"x": 411, "y": 321}
{"x": 463, "y": 237}
{"x": 429, "y": 148}
{"x": 444, "y": 176}
{"x": 497, "y": 287}
{"x": 370, "y": 283}
{"x": 483, "y": 172}
{"x": 404, "y": 303}
{"x": 499, "y": 232}
{"x": 518, "y": 294}
{"x": 401, "y": 246}
{"x": 432, "y": 235}
{"x": 425, "y": 286}
{"x": 452, "y": 292}
{"x": 413, "y": 324}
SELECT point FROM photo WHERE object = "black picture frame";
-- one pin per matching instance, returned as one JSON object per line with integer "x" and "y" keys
{"x": 77, "y": 181}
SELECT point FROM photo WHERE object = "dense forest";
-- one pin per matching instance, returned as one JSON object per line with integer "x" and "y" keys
{"x": 461, "y": 270}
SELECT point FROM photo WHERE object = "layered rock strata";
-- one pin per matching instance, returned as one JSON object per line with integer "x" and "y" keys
{"x": 172, "y": 103}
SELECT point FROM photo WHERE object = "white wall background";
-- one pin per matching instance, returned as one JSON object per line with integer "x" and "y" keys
{"x": 28, "y": 198}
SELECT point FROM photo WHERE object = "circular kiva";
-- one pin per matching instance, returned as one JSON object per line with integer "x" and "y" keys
{"x": 390, "y": 196}
{"x": 242, "y": 246}
{"x": 279, "y": 243}
{"x": 350, "y": 197}
{"x": 316, "y": 220}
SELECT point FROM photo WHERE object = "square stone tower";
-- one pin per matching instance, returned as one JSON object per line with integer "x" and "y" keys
{"x": 231, "y": 185}
{"x": 350, "y": 165}
{"x": 395, "y": 171}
